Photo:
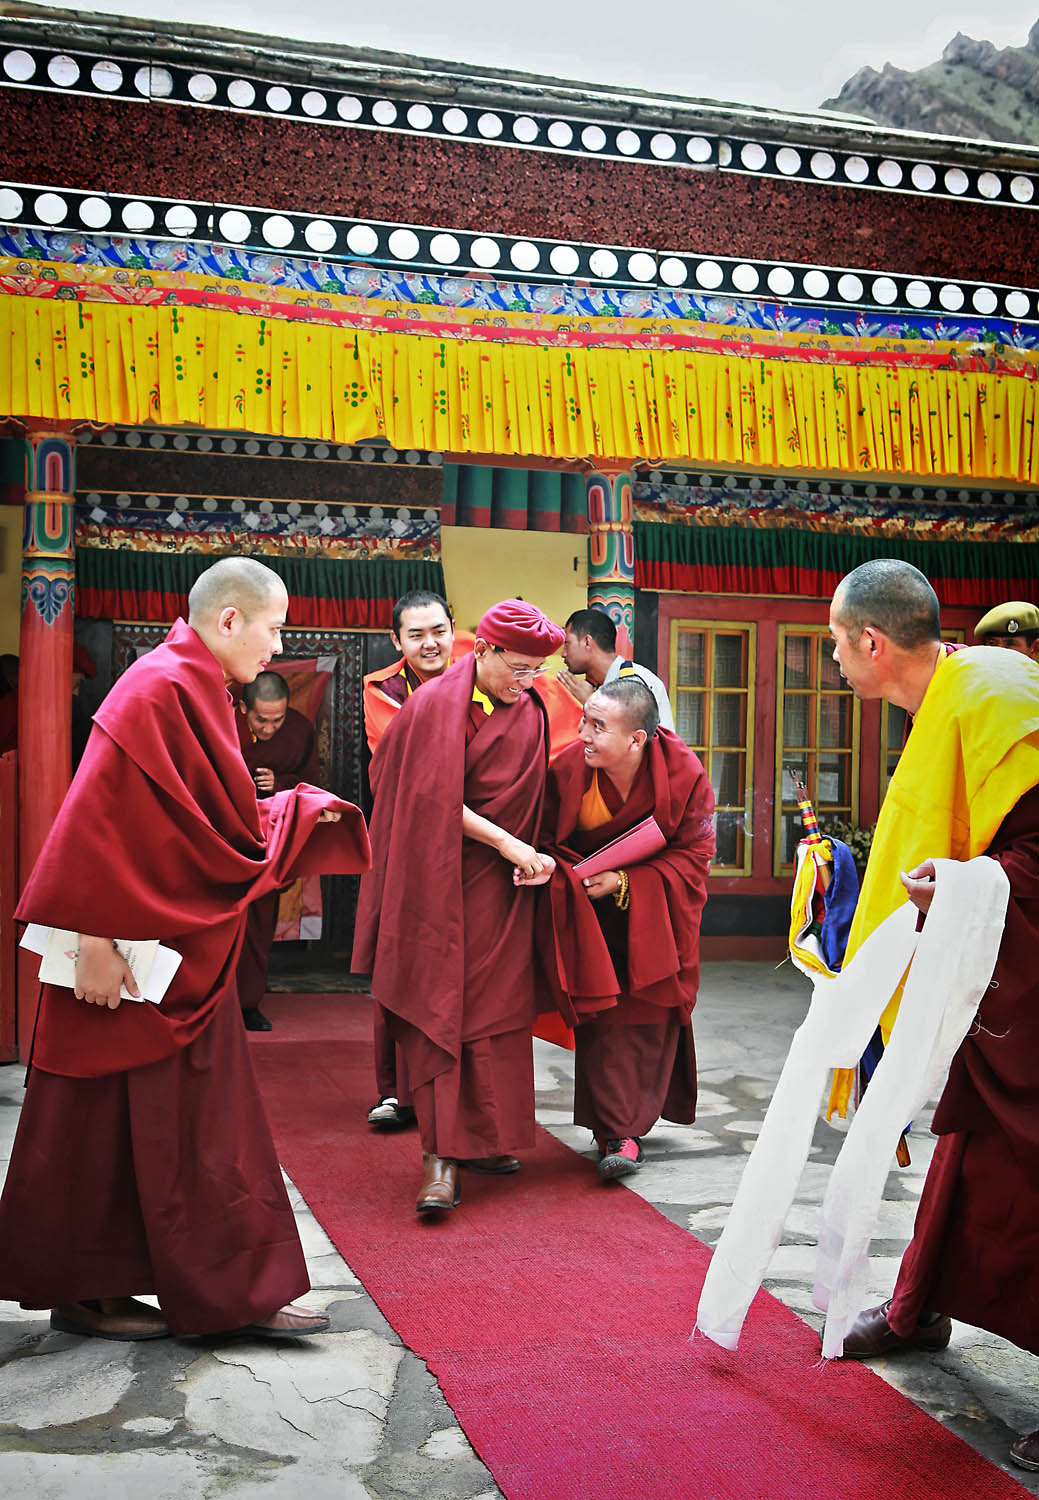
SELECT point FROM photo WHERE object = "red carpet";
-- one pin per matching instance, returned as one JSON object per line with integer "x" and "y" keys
{"x": 555, "y": 1314}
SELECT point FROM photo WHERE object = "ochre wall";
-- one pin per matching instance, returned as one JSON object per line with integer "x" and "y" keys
{"x": 10, "y": 576}
{"x": 483, "y": 565}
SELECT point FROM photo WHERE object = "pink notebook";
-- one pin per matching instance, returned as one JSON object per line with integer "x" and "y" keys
{"x": 631, "y": 848}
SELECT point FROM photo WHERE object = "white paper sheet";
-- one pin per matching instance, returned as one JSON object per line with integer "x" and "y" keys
{"x": 165, "y": 964}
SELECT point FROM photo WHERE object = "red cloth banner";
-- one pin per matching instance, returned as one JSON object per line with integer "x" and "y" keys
{"x": 304, "y": 613}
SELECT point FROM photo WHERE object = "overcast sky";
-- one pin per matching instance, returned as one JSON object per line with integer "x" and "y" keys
{"x": 789, "y": 54}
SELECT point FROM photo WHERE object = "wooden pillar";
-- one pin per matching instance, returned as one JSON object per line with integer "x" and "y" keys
{"x": 611, "y": 552}
{"x": 45, "y": 666}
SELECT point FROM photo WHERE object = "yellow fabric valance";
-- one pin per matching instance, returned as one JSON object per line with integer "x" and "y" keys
{"x": 109, "y": 362}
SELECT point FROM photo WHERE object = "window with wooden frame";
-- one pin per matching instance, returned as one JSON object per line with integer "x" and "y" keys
{"x": 712, "y": 692}
{"x": 894, "y": 725}
{"x": 817, "y": 738}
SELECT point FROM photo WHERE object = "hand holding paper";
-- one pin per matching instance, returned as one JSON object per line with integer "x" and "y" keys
{"x": 103, "y": 975}
{"x": 150, "y": 965}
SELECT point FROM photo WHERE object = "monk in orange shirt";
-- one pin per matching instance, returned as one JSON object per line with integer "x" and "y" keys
{"x": 424, "y": 634}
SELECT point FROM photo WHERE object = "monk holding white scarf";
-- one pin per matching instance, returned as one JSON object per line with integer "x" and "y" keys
{"x": 966, "y": 785}
{"x": 949, "y": 975}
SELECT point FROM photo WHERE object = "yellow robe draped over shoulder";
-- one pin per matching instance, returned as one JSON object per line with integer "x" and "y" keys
{"x": 972, "y": 755}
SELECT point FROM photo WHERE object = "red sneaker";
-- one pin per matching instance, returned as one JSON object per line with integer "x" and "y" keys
{"x": 621, "y": 1158}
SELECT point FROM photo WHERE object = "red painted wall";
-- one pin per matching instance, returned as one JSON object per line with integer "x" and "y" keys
{"x": 176, "y": 151}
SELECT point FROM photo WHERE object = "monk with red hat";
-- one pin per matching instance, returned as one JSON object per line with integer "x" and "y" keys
{"x": 446, "y": 934}
{"x": 620, "y": 948}
{"x": 143, "y": 1163}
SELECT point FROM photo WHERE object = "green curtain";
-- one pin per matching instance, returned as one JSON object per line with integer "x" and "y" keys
{"x": 513, "y": 499}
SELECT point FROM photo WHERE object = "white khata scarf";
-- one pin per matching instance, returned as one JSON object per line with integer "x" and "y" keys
{"x": 952, "y": 960}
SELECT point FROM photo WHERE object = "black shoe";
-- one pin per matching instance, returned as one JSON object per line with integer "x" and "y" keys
{"x": 255, "y": 1020}
{"x": 389, "y": 1115}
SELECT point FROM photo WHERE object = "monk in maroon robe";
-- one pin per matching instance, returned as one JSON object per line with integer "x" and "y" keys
{"x": 280, "y": 750}
{"x": 424, "y": 634}
{"x": 975, "y": 1241}
{"x": 143, "y": 1163}
{"x": 621, "y": 949}
{"x": 444, "y": 931}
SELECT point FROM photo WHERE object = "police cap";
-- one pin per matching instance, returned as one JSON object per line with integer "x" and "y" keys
{"x": 1008, "y": 619}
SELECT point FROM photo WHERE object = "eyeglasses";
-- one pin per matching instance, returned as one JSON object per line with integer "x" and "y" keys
{"x": 520, "y": 673}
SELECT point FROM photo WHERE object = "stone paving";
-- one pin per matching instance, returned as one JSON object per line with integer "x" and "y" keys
{"x": 354, "y": 1415}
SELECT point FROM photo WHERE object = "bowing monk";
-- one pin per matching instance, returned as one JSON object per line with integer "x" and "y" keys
{"x": 280, "y": 750}
{"x": 424, "y": 634}
{"x": 143, "y": 1162}
{"x": 621, "y": 949}
{"x": 966, "y": 785}
{"x": 459, "y": 778}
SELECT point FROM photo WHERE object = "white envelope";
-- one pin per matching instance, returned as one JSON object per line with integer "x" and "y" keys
{"x": 152, "y": 965}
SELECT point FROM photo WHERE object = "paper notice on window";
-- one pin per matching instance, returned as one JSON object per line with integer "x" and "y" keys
{"x": 151, "y": 965}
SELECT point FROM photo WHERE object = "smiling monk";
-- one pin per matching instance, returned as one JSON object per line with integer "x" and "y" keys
{"x": 458, "y": 779}
{"x": 621, "y": 949}
{"x": 424, "y": 634}
{"x": 143, "y": 1162}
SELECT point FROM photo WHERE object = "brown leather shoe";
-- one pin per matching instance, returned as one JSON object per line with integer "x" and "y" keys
{"x": 121, "y": 1318}
{"x": 872, "y": 1334}
{"x": 291, "y": 1322}
{"x": 499, "y": 1165}
{"x": 1025, "y": 1452}
{"x": 440, "y": 1188}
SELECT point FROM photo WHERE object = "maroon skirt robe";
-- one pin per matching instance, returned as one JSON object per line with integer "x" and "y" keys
{"x": 143, "y": 1161}
{"x": 974, "y": 1254}
{"x": 446, "y": 935}
{"x": 162, "y": 1179}
{"x": 627, "y": 981}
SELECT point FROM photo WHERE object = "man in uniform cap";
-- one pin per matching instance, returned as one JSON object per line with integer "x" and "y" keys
{"x": 1015, "y": 626}
{"x": 458, "y": 780}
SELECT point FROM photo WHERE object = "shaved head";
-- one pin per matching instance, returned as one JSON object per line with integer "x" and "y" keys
{"x": 238, "y": 608}
{"x": 893, "y": 596}
{"x": 268, "y": 687}
{"x": 241, "y": 582}
{"x": 635, "y": 698}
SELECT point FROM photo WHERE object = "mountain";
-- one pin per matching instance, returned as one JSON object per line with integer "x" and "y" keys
{"x": 975, "y": 90}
